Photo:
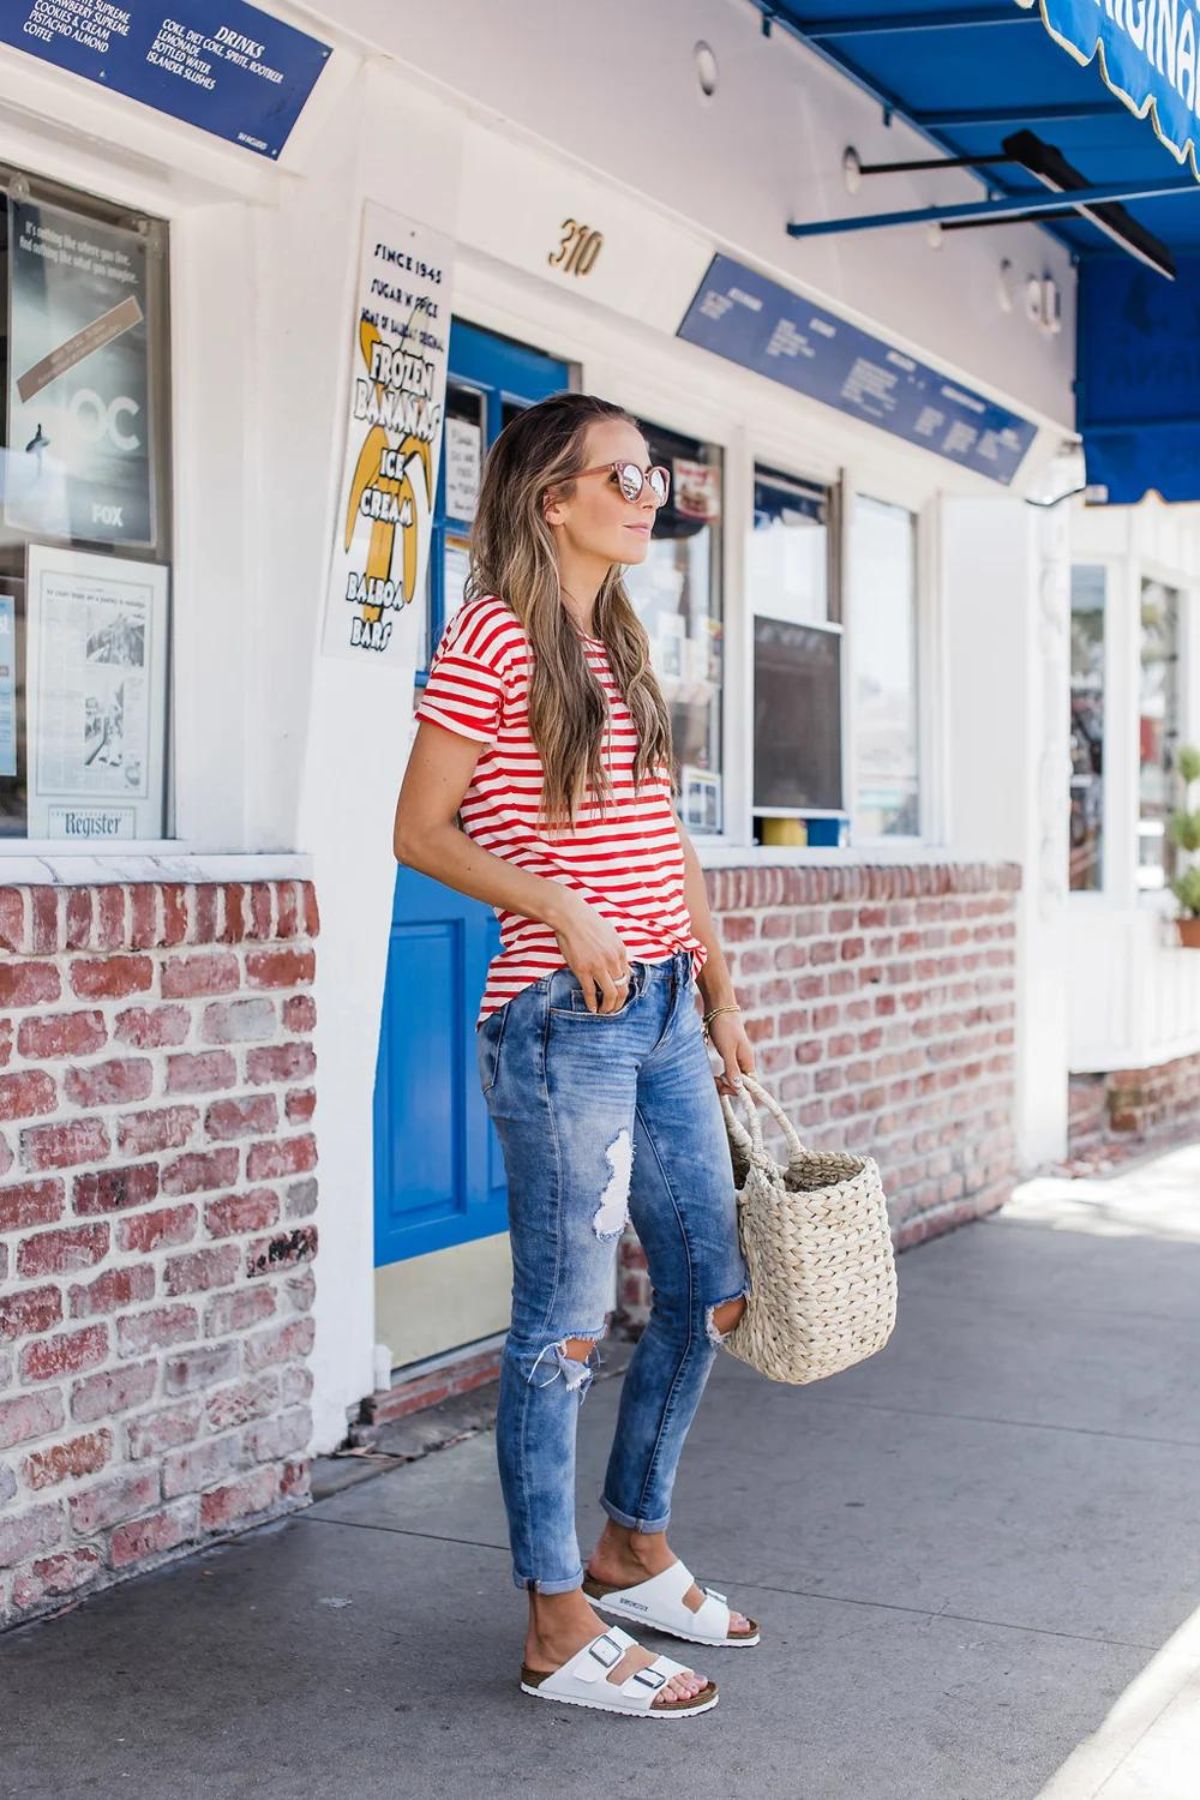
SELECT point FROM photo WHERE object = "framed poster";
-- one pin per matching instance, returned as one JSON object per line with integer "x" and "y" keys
{"x": 393, "y": 440}
{"x": 96, "y": 695}
{"x": 80, "y": 463}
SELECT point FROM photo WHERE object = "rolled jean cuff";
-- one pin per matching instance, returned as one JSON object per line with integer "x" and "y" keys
{"x": 528, "y": 1582}
{"x": 631, "y": 1524}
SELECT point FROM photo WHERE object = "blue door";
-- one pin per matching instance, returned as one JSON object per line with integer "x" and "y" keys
{"x": 439, "y": 1174}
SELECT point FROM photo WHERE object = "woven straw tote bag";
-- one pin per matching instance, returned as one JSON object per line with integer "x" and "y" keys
{"x": 818, "y": 1249}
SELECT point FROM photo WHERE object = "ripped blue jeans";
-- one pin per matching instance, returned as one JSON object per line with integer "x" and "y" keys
{"x": 600, "y": 1118}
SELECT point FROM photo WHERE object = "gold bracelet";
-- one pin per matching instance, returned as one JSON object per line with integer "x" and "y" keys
{"x": 712, "y": 1013}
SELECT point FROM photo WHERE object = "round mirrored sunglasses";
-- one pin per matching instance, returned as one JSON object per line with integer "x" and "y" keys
{"x": 631, "y": 480}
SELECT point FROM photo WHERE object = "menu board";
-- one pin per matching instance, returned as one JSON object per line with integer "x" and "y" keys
{"x": 765, "y": 327}
{"x": 225, "y": 66}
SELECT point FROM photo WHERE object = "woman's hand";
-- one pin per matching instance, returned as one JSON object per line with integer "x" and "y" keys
{"x": 727, "y": 1035}
{"x": 595, "y": 954}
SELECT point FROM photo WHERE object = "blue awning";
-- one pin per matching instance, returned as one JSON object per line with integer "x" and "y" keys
{"x": 1106, "y": 92}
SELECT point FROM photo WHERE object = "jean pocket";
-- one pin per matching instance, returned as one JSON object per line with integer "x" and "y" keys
{"x": 567, "y": 999}
{"x": 488, "y": 1040}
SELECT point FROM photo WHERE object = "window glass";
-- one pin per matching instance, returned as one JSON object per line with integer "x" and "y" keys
{"x": 677, "y": 595}
{"x": 84, "y": 517}
{"x": 788, "y": 572}
{"x": 1087, "y": 728}
{"x": 883, "y": 623}
{"x": 1158, "y": 731}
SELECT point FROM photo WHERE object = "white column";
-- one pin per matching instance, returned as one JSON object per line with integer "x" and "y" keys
{"x": 1006, "y": 611}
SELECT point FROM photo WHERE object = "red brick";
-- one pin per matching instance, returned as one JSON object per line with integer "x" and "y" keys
{"x": 69, "y": 1353}
{"x": 30, "y": 1203}
{"x": 112, "y": 1502}
{"x": 295, "y": 1479}
{"x": 200, "y": 1465}
{"x": 279, "y": 968}
{"x": 281, "y": 1156}
{"x": 111, "y": 977}
{"x": 113, "y": 1190}
{"x": 175, "y": 913}
{"x": 34, "y": 1310}
{"x": 287, "y": 1434}
{"x": 280, "y": 1062}
{"x": 126, "y": 1286}
{"x": 160, "y": 1326}
{"x": 186, "y": 977}
{"x": 279, "y": 1343}
{"x": 238, "y": 1310}
{"x": 59, "y": 1574}
{"x": 110, "y": 916}
{"x": 30, "y": 1416}
{"x": 192, "y": 1173}
{"x": 199, "y": 1270}
{"x": 312, "y": 917}
{"x": 238, "y": 1021}
{"x": 200, "y": 1369}
{"x": 245, "y": 1400}
{"x": 113, "y": 1391}
{"x": 169, "y": 1128}
{"x": 143, "y": 926}
{"x": 81, "y": 905}
{"x": 299, "y": 1013}
{"x": 155, "y": 1230}
{"x": 78, "y": 1456}
{"x": 204, "y": 913}
{"x": 152, "y": 1433}
{"x": 109, "y": 1083}
{"x": 28, "y": 983}
{"x": 27, "y": 1093}
{"x": 238, "y": 1118}
{"x": 58, "y": 1252}
{"x": 62, "y": 1034}
{"x": 158, "y": 1532}
{"x": 12, "y": 918}
{"x": 300, "y": 1104}
{"x": 234, "y": 1213}
{"x": 224, "y": 1506}
{"x": 287, "y": 910}
{"x": 201, "y": 1074}
{"x": 301, "y": 1290}
{"x": 284, "y": 1250}
{"x": 6, "y": 1042}
{"x": 39, "y": 1529}
{"x": 234, "y": 928}
{"x": 262, "y": 910}
{"x": 153, "y": 1027}
{"x": 64, "y": 1145}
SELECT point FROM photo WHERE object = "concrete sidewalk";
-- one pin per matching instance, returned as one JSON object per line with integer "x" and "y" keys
{"x": 976, "y": 1559}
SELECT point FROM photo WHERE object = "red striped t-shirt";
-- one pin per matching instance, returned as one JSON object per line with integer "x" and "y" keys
{"x": 628, "y": 865}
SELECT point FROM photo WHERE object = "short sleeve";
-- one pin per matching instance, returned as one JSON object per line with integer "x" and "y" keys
{"x": 466, "y": 687}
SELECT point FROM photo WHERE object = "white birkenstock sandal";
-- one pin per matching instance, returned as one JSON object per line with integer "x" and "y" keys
{"x": 658, "y": 1605}
{"x": 583, "y": 1681}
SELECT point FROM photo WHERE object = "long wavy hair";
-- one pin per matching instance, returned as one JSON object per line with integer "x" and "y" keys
{"x": 513, "y": 556}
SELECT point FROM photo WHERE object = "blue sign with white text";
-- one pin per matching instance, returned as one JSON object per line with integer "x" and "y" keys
{"x": 765, "y": 327}
{"x": 222, "y": 65}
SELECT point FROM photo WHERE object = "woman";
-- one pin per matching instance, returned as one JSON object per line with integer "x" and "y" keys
{"x": 544, "y": 730}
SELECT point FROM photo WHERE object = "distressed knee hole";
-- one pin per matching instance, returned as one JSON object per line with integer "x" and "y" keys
{"x": 611, "y": 1215}
{"x": 720, "y": 1320}
{"x": 573, "y": 1361}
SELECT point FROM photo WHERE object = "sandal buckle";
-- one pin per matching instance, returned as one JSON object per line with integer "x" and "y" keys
{"x": 606, "y": 1662}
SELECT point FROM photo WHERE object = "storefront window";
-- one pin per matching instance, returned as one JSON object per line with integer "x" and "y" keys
{"x": 1087, "y": 728}
{"x": 677, "y": 595}
{"x": 883, "y": 620}
{"x": 1158, "y": 732}
{"x": 84, "y": 517}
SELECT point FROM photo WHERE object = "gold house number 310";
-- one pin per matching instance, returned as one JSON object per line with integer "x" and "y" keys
{"x": 578, "y": 248}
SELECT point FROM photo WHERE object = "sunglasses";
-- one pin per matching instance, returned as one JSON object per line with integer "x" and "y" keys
{"x": 631, "y": 480}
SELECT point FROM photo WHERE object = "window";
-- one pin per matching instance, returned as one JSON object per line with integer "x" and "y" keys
{"x": 677, "y": 595}
{"x": 1158, "y": 732}
{"x": 1087, "y": 728}
{"x": 886, "y": 718}
{"x": 792, "y": 580}
{"x": 84, "y": 517}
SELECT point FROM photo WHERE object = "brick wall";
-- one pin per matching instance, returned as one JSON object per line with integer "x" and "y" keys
{"x": 1124, "y": 1112}
{"x": 880, "y": 1001}
{"x": 156, "y": 1189}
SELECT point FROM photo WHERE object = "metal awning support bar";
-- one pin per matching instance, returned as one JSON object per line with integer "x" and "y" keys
{"x": 1005, "y": 209}
{"x": 1016, "y": 115}
{"x": 880, "y": 24}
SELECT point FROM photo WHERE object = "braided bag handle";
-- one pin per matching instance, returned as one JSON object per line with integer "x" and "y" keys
{"x": 806, "y": 1169}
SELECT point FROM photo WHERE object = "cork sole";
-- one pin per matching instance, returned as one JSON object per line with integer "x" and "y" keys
{"x": 705, "y": 1700}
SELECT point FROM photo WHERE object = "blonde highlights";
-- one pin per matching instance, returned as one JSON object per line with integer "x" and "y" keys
{"x": 513, "y": 556}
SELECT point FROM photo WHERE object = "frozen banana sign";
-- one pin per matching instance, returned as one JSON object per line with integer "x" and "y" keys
{"x": 395, "y": 404}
